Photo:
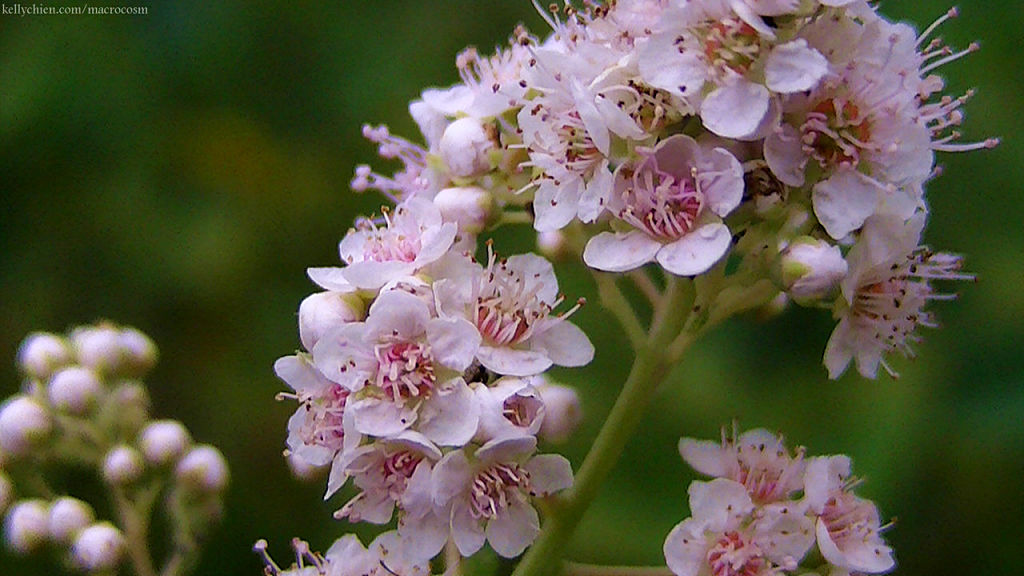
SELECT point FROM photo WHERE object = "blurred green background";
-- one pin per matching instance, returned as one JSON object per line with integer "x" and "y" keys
{"x": 179, "y": 171}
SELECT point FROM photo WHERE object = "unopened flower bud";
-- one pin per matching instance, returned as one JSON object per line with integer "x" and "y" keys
{"x": 23, "y": 424}
{"x": 138, "y": 351}
{"x": 203, "y": 469}
{"x": 67, "y": 517}
{"x": 25, "y": 528}
{"x": 811, "y": 269}
{"x": 464, "y": 147}
{"x": 301, "y": 469}
{"x": 128, "y": 405}
{"x": 73, "y": 390}
{"x": 468, "y": 206}
{"x": 122, "y": 465}
{"x": 562, "y": 411}
{"x": 6, "y": 492}
{"x": 42, "y": 353}
{"x": 164, "y": 442}
{"x": 98, "y": 548}
{"x": 98, "y": 347}
{"x": 321, "y": 312}
{"x": 552, "y": 245}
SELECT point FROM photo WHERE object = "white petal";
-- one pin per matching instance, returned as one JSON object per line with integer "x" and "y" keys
{"x": 549, "y": 473}
{"x": 720, "y": 503}
{"x": 506, "y": 449}
{"x": 556, "y": 205}
{"x": 398, "y": 313}
{"x": 380, "y": 416}
{"x": 721, "y": 181}
{"x": 513, "y": 529}
{"x": 596, "y": 194}
{"x": 839, "y": 350}
{"x": 423, "y": 537}
{"x": 617, "y": 252}
{"x": 467, "y": 531}
{"x": 843, "y": 202}
{"x": 685, "y": 548}
{"x": 785, "y": 155}
{"x": 705, "y": 456}
{"x": 436, "y": 240}
{"x": 330, "y": 278}
{"x": 735, "y": 110}
{"x": 697, "y": 251}
{"x": 867, "y": 555}
{"x": 823, "y": 478}
{"x": 371, "y": 275}
{"x": 663, "y": 66}
{"x": 511, "y": 362}
{"x": 564, "y": 343}
{"x": 591, "y": 117}
{"x": 453, "y": 342}
{"x": 450, "y": 477}
{"x": 794, "y": 67}
{"x": 451, "y": 415}
{"x": 784, "y": 532}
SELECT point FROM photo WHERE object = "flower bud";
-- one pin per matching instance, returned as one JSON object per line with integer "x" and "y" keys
{"x": 126, "y": 409}
{"x": 26, "y": 526}
{"x": 203, "y": 469}
{"x": 552, "y": 245}
{"x": 41, "y": 353}
{"x": 464, "y": 147}
{"x": 23, "y": 424}
{"x": 67, "y": 517}
{"x": 811, "y": 269}
{"x": 301, "y": 469}
{"x": 6, "y": 492}
{"x": 98, "y": 347}
{"x": 164, "y": 442}
{"x": 73, "y": 390}
{"x": 122, "y": 465}
{"x": 321, "y": 312}
{"x": 562, "y": 411}
{"x": 138, "y": 352}
{"x": 98, "y": 547}
{"x": 468, "y": 206}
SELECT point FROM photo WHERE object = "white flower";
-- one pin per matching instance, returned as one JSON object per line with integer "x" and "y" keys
{"x": 848, "y": 528}
{"x": 41, "y": 353}
{"x": 322, "y": 312}
{"x": 757, "y": 459}
{"x": 469, "y": 207}
{"x": 98, "y": 548}
{"x": 464, "y": 148}
{"x": 387, "y": 555}
{"x": 203, "y": 469}
{"x": 395, "y": 364}
{"x": 725, "y": 537}
{"x": 24, "y": 423}
{"x": 26, "y": 525}
{"x": 562, "y": 410}
{"x": 67, "y": 516}
{"x": 73, "y": 390}
{"x": 509, "y": 407}
{"x": 122, "y": 465}
{"x": 164, "y": 441}
{"x": 510, "y": 303}
{"x": 488, "y": 496}
{"x": 884, "y": 295}
{"x": 673, "y": 199}
{"x": 409, "y": 239}
{"x": 320, "y": 429}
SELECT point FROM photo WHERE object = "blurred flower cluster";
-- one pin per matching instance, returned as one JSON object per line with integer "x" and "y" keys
{"x": 83, "y": 406}
{"x": 772, "y": 150}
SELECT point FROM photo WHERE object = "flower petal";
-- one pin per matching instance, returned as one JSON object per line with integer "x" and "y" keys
{"x": 794, "y": 67}
{"x": 697, "y": 251}
{"x": 736, "y": 109}
{"x": 617, "y": 252}
{"x": 549, "y": 473}
{"x": 513, "y": 529}
{"x": 564, "y": 343}
{"x": 453, "y": 342}
{"x": 512, "y": 362}
{"x": 843, "y": 202}
{"x": 451, "y": 415}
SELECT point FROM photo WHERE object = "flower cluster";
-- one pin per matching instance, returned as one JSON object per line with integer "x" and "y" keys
{"x": 765, "y": 510}
{"x": 780, "y": 147}
{"x": 83, "y": 404}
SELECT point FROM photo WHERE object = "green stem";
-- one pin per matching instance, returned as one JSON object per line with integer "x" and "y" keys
{"x": 134, "y": 520}
{"x": 579, "y": 569}
{"x": 650, "y": 368}
{"x": 615, "y": 301}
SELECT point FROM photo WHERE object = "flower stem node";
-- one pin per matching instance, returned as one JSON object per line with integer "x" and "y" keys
{"x": 203, "y": 469}
{"x": 98, "y": 548}
{"x": 122, "y": 465}
{"x": 42, "y": 353}
{"x": 25, "y": 528}
{"x": 68, "y": 516}
{"x": 163, "y": 442}
{"x": 74, "y": 390}
{"x": 24, "y": 424}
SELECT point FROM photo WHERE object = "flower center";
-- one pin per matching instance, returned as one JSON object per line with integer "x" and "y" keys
{"x": 767, "y": 472}
{"x": 731, "y": 556}
{"x": 507, "y": 306}
{"x": 520, "y": 410}
{"x": 397, "y": 469}
{"x": 405, "y": 369}
{"x": 660, "y": 204}
{"x": 835, "y": 133}
{"x": 731, "y": 44}
{"x": 849, "y": 520}
{"x": 323, "y": 424}
{"x": 496, "y": 488}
